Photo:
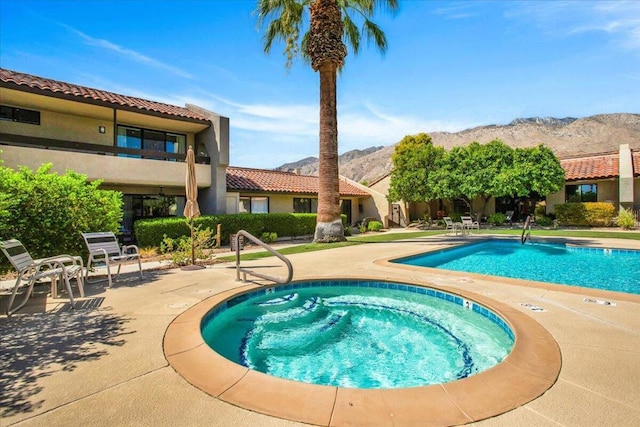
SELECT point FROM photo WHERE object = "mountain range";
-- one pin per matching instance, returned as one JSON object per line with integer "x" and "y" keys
{"x": 567, "y": 137}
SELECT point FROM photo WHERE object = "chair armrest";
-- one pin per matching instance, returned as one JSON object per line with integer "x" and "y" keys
{"x": 125, "y": 249}
{"x": 63, "y": 259}
{"x": 102, "y": 256}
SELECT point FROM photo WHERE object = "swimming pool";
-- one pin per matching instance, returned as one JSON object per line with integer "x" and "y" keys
{"x": 600, "y": 268}
{"x": 359, "y": 334}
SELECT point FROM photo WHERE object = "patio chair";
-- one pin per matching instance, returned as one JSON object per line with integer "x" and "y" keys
{"x": 452, "y": 227}
{"x": 509, "y": 217}
{"x": 104, "y": 250}
{"x": 31, "y": 271}
{"x": 469, "y": 224}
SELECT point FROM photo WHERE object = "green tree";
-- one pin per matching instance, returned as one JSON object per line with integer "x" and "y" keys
{"x": 536, "y": 172}
{"x": 324, "y": 45}
{"x": 483, "y": 172}
{"x": 47, "y": 212}
{"x": 415, "y": 161}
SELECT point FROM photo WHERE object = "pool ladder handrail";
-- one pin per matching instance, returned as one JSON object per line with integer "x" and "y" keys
{"x": 245, "y": 271}
{"x": 526, "y": 230}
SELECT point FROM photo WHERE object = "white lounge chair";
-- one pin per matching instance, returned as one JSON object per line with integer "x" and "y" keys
{"x": 104, "y": 250}
{"x": 452, "y": 227}
{"x": 30, "y": 271}
{"x": 509, "y": 217}
{"x": 469, "y": 224}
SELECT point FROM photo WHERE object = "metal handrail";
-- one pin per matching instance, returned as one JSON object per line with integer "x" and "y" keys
{"x": 526, "y": 230}
{"x": 253, "y": 273}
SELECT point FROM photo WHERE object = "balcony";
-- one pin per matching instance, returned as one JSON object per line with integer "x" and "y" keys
{"x": 102, "y": 162}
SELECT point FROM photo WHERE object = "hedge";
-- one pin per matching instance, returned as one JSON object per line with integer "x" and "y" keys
{"x": 150, "y": 232}
{"x": 592, "y": 214}
{"x": 47, "y": 211}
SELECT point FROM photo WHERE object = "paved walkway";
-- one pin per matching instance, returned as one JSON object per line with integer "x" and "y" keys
{"x": 103, "y": 364}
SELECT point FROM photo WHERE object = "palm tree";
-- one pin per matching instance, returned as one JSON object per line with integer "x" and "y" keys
{"x": 323, "y": 45}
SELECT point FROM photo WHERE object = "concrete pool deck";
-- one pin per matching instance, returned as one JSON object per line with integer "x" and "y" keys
{"x": 104, "y": 364}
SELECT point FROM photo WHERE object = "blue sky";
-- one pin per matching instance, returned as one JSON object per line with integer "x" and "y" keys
{"x": 450, "y": 65}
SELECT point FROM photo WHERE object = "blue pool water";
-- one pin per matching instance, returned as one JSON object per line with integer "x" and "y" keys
{"x": 359, "y": 334}
{"x": 609, "y": 269}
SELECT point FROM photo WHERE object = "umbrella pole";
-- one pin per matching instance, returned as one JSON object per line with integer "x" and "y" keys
{"x": 193, "y": 250}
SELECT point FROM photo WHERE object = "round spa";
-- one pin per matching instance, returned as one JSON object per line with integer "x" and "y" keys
{"x": 363, "y": 351}
{"x": 359, "y": 334}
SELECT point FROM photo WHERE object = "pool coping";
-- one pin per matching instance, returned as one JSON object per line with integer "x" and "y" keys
{"x": 572, "y": 289}
{"x": 527, "y": 372}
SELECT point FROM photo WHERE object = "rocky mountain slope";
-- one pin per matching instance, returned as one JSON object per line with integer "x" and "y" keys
{"x": 566, "y": 137}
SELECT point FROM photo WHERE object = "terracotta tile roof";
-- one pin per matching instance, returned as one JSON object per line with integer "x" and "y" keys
{"x": 245, "y": 179}
{"x": 16, "y": 80}
{"x": 636, "y": 163}
{"x": 601, "y": 166}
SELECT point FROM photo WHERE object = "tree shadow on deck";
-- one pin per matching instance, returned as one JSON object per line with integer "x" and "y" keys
{"x": 38, "y": 344}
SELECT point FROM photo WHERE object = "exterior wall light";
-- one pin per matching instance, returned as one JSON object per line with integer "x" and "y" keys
{"x": 102, "y": 129}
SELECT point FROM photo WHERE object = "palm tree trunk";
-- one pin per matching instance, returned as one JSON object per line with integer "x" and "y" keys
{"x": 329, "y": 225}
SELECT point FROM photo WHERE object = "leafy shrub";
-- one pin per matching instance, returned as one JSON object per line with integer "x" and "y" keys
{"x": 594, "y": 214}
{"x": 626, "y": 219}
{"x": 544, "y": 221}
{"x": 269, "y": 237}
{"x": 47, "y": 212}
{"x": 151, "y": 232}
{"x": 251, "y": 223}
{"x": 180, "y": 248}
{"x": 539, "y": 211}
{"x": 497, "y": 219}
{"x": 374, "y": 226}
{"x": 306, "y": 224}
{"x": 283, "y": 224}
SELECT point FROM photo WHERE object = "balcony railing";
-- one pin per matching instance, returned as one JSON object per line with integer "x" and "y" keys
{"x": 82, "y": 147}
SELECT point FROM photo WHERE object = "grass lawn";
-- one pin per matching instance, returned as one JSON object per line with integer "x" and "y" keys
{"x": 391, "y": 237}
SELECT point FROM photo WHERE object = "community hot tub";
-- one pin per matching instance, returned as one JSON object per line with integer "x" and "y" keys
{"x": 527, "y": 361}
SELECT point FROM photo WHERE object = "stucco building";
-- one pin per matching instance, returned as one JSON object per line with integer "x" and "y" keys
{"x": 138, "y": 147}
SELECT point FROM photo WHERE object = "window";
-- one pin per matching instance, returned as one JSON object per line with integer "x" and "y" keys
{"x": 305, "y": 205}
{"x": 129, "y": 138}
{"x": 254, "y": 205}
{"x": 20, "y": 115}
{"x": 176, "y": 143}
{"x": 137, "y": 207}
{"x": 581, "y": 193}
{"x": 151, "y": 140}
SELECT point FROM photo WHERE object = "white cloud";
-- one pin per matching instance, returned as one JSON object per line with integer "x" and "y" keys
{"x": 458, "y": 10}
{"x": 372, "y": 126}
{"x": 128, "y": 53}
{"x": 619, "y": 19}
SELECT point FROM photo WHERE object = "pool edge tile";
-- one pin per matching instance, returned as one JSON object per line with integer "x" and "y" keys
{"x": 277, "y": 397}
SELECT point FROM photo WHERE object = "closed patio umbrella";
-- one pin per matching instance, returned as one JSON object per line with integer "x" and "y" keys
{"x": 191, "y": 208}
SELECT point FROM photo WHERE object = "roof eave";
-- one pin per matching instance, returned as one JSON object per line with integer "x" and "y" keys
{"x": 98, "y": 102}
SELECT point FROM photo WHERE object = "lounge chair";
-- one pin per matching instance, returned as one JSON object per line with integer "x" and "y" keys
{"x": 30, "y": 271}
{"x": 468, "y": 223}
{"x": 509, "y": 217}
{"x": 452, "y": 227}
{"x": 104, "y": 250}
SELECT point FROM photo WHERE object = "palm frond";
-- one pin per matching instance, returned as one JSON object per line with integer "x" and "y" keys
{"x": 375, "y": 33}
{"x": 351, "y": 34}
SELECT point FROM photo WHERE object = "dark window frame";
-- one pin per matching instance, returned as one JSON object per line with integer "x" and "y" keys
{"x": 575, "y": 193}
{"x": 305, "y": 202}
{"x": 143, "y": 139}
{"x": 19, "y": 115}
{"x": 250, "y": 199}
